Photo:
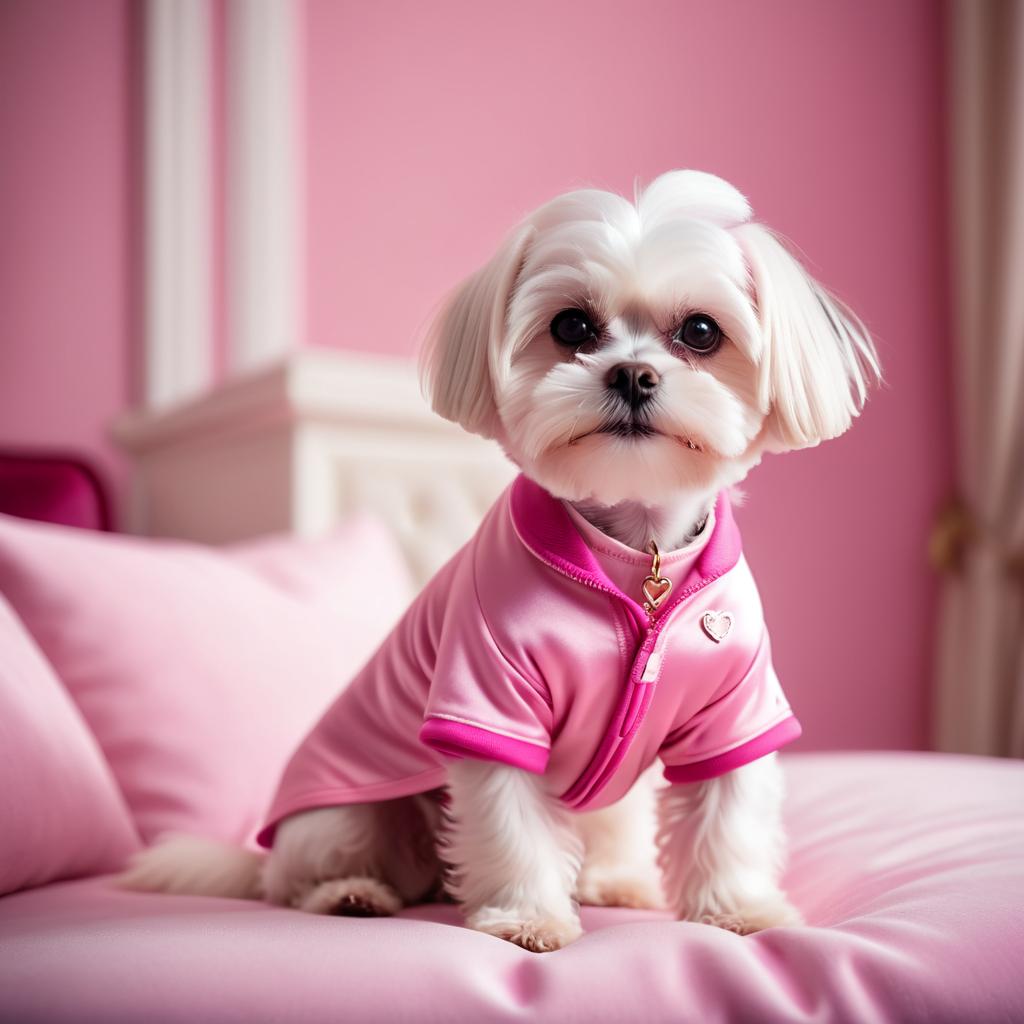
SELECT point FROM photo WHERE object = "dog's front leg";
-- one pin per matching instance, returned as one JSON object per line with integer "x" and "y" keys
{"x": 618, "y": 860}
{"x": 514, "y": 856}
{"x": 721, "y": 848}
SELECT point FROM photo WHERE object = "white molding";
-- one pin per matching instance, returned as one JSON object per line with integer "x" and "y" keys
{"x": 300, "y": 446}
{"x": 312, "y": 385}
{"x": 264, "y": 194}
{"x": 178, "y": 201}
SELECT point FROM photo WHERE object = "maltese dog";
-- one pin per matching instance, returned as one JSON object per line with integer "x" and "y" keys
{"x": 635, "y": 360}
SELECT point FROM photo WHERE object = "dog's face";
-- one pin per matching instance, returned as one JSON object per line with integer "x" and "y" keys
{"x": 624, "y": 351}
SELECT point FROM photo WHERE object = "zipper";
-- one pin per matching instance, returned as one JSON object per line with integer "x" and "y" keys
{"x": 655, "y": 589}
{"x": 653, "y": 666}
{"x": 642, "y": 684}
{"x": 639, "y": 682}
{"x": 648, "y": 636}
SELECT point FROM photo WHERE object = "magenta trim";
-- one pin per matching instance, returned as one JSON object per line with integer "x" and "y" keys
{"x": 777, "y": 736}
{"x": 595, "y": 778}
{"x": 547, "y": 530}
{"x": 459, "y": 739}
{"x": 617, "y": 736}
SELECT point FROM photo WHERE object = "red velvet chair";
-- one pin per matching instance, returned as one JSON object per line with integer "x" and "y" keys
{"x": 53, "y": 488}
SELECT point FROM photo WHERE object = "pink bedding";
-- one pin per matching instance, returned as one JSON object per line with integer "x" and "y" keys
{"x": 909, "y": 868}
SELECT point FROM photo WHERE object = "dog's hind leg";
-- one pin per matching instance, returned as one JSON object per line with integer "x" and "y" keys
{"x": 360, "y": 860}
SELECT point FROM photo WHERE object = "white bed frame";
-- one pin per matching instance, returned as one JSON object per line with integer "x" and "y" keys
{"x": 299, "y": 447}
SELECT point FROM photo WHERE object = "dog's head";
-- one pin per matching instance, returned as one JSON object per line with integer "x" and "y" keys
{"x": 634, "y": 351}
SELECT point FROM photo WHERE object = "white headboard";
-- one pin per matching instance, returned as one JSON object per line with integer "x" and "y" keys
{"x": 304, "y": 444}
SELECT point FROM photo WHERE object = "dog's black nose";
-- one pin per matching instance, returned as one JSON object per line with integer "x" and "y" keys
{"x": 635, "y": 383}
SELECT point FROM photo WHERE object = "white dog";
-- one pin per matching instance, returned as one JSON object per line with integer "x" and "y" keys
{"x": 635, "y": 360}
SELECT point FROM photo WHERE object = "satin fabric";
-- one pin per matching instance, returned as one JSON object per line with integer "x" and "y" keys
{"x": 521, "y": 650}
{"x": 908, "y": 867}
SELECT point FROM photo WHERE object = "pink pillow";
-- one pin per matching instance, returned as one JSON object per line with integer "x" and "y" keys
{"x": 199, "y": 670}
{"x": 61, "y": 814}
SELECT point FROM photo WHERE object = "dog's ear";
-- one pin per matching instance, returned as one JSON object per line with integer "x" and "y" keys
{"x": 462, "y": 350}
{"x": 817, "y": 360}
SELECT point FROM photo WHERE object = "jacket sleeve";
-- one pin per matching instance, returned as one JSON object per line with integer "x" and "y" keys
{"x": 743, "y": 721}
{"x": 481, "y": 704}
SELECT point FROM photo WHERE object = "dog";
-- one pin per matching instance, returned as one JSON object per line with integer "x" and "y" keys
{"x": 635, "y": 360}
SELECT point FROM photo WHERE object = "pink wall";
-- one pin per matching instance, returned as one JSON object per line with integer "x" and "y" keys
{"x": 433, "y": 127}
{"x": 66, "y": 258}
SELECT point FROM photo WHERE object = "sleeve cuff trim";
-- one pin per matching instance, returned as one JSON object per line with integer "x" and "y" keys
{"x": 460, "y": 739}
{"x": 777, "y": 736}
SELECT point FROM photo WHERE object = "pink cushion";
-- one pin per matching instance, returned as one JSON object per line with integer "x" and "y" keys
{"x": 61, "y": 814}
{"x": 199, "y": 670}
{"x": 909, "y": 868}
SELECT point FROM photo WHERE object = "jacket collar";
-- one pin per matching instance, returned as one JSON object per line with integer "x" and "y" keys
{"x": 546, "y": 529}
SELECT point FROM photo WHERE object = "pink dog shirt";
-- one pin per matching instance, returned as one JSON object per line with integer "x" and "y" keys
{"x": 522, "y": 650}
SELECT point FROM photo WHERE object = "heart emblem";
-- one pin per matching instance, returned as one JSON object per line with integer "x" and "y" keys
{"x": 656, "y": 589}
{"x": 717, "y": 625}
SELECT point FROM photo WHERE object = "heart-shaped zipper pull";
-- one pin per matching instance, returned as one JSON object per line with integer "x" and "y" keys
{"x": 655, "y": 587}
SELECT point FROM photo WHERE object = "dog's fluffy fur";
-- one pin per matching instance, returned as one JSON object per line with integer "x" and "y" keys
{"x": 792, "y": 370}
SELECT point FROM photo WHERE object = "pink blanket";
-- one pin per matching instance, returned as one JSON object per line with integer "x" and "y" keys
{"x": 909, "y": 868}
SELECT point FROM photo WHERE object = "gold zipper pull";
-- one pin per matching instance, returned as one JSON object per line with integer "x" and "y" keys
{"x": 655, "y": 587}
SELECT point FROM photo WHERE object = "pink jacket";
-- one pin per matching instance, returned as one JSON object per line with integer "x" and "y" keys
{"x": 521, "y": 650}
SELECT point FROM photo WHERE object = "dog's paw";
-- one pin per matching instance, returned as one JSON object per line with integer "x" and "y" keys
{"x": 536, "y": 934}
{"x": 351, "y": 897}
{"x": 619, "y": 887}
{"x": 754, "y": 916}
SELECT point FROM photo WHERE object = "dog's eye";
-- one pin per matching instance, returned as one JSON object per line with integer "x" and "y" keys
{"x": 572, "y": 327}
{"x": 700, "y": 333}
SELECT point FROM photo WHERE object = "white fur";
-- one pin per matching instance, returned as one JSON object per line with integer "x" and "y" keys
{"x": 722, "y": 847}
{"x": 792, "y": 371}
{"x": 514, "y": 855}
{"x": 818, "y": 357}
{"x": 619, "y": 866}
{"x": 391, "y": 842}
{"x": 195, "y": 866}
